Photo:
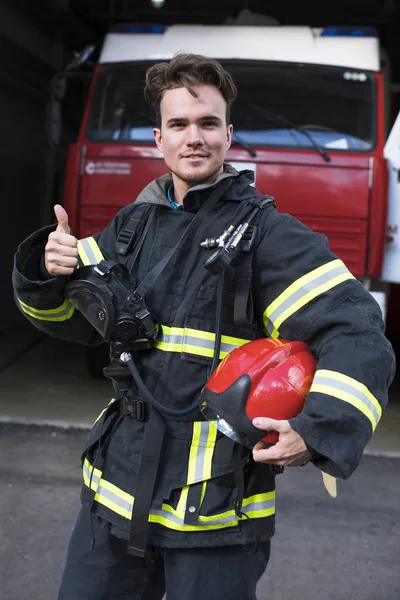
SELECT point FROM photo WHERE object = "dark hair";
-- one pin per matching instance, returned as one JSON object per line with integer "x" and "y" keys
{"x": 187, "y": 70}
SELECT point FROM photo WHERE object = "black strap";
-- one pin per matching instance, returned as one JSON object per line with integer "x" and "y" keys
{"x": 239, "y": 479}
{"x": 133, "y": 256}
{"x": 131, "y": 230}
{"x": 211, "y": 201}
{"x": 152, "y": 443}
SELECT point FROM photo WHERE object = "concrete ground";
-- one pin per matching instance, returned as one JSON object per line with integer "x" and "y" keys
{"x": 325, "y": 549}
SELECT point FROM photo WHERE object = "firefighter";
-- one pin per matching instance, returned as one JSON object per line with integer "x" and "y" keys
{"x": 169, "y": 503}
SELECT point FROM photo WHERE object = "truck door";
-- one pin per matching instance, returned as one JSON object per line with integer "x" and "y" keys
{"x": 391, "y": 260}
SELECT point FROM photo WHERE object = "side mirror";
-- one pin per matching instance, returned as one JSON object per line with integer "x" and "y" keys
{"x": 80, "y": 58}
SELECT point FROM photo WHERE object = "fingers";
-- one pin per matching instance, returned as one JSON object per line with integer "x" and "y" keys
{"x": 284, "y": 457}
{"x": 60, "y": 260}
{"x": 289, "y": 451}
{"x": 62, "y": 219}
{"x": 267, "y": 424}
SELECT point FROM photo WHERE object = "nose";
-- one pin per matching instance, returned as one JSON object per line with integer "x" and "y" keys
{"x": 194, "y": 136}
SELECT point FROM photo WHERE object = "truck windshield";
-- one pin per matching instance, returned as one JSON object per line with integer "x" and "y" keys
{"x": 335, "y": 105}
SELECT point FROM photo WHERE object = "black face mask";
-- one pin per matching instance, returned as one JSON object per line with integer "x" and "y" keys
{"x": 106, "y": 298}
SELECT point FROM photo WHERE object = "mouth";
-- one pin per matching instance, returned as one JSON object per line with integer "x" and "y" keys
{"x": 195, "y": 156}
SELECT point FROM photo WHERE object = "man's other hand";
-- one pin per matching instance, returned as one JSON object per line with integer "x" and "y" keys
{"x": 61, "y": 251}
{"x": 290, "y": 449}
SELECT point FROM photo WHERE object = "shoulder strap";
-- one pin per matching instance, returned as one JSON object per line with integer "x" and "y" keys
{"x": 208, "y": 206}
{"x": 133, "y": 233}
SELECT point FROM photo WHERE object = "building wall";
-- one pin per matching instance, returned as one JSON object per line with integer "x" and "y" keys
{"x": 28, "y": 58}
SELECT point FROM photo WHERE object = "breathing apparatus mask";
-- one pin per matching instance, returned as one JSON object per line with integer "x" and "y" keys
{"x": 107, "y": 299}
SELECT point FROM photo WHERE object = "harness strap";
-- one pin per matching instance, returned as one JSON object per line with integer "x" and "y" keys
{"x": 152, "y": 443}
{"x": 208, "y": 205}
{"x": 239, "y": 479}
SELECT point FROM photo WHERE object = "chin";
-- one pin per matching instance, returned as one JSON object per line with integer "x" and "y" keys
{"x": 198, "y": 175}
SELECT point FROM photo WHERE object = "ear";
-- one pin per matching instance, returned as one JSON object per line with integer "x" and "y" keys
{"x": 158, "y": 139}
{"x": 229, "y": 136}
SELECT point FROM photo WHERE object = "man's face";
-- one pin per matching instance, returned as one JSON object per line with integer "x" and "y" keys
{"x": 194, "y": 136}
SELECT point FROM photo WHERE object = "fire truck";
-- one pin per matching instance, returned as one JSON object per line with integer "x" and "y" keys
{"x": 311, "y": 120}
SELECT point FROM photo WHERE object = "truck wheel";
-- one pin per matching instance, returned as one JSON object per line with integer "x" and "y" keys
{"x": 96, "y": 359}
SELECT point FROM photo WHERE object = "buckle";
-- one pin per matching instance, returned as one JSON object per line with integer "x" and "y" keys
{"x": 124, "y": 241}
{"x": 134, "y": 408}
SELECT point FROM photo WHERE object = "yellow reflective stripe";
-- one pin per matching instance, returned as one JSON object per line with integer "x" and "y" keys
{"x": 194, "y": 341}
{"x": 181, "y": 507}
{"x": 349, "y": 390}
{"x": 209, "y": 451}
{"x": 107, "y": 494}
{"x": 191, "y": 478}
{"x": 123, "y": 508}
{"x": 302, "y": 291}
{"x": 200, "y": 459}
{"x": 96, "y": 475}
{"x": 89, "y": 251}
{"x": 60, "y": 313}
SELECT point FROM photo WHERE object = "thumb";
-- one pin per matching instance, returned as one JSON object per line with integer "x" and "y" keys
{"x": 62, "y": 219}
{"x": 267, "y": 424}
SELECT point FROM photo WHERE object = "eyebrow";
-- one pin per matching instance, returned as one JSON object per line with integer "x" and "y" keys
{"x": 183, "y": 120}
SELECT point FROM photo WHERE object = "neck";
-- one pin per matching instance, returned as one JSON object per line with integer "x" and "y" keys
{"x": 181, "y": 186}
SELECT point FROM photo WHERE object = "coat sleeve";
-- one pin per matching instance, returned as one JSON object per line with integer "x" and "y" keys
{"x": 40, "y": 297}
{"x": 308, "y": 294}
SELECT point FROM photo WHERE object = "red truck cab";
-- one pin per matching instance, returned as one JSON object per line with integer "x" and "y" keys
{"x": 310, "y": 121}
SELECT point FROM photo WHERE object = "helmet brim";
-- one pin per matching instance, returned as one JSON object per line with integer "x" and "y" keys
{"x": 224, "y": 427}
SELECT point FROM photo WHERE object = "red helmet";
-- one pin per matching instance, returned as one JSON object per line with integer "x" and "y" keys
{"x": 265, "y": 378}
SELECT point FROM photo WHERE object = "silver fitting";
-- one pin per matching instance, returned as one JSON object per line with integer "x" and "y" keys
{"x": 237, "y": 236}
{"x": 125, "y": 357}
{"x": 209, "y": 243}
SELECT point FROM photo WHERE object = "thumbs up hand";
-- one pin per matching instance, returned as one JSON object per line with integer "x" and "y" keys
{"x": 61, "y": 251}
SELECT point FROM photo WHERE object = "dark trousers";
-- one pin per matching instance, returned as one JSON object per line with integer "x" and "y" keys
{"x": 108, "y": 573}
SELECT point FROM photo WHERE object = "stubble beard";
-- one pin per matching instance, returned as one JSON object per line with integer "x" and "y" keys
{"x": 193, "y": 179}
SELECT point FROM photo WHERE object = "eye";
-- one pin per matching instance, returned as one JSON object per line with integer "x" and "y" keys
{"x": 210, "y": 124}
{"x": 178, "y": 125}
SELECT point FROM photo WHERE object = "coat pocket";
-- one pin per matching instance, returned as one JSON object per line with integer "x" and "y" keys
{"x": 102, "y": 430}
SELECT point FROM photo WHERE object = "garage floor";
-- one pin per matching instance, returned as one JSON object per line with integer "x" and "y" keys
{"x": 49, "y": 385}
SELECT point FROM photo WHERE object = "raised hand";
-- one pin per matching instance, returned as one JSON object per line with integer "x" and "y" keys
{"x": 61, "y": 251}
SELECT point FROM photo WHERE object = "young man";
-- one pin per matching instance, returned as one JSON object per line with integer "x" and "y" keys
{"x": 200, "y": 540}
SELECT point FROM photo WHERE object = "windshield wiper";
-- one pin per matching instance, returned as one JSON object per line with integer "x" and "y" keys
{"x": 281, "y": 119}
{"x": 241, "y": 142}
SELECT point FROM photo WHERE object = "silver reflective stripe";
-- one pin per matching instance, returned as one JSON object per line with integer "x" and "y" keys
{"x": 111, "y": 496}
{"x": 184, "y": 340}
{"x": 302, "y": 291}
{"x": 114, "y": 498}
{"x": 201, "y": 451}
{"x": 349, "y": 390}
{"x": 89, "y": 251}
{"x": 308, "y": 287}
{"x": 259, "y": 506}
{"x": 165, "y": 514}
{"x": 340, "y": 385}
{"x": 61, "y": 313}
{"x": 88, "y": 472}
